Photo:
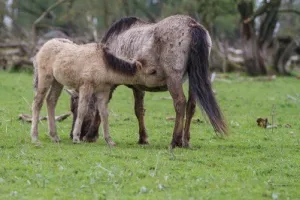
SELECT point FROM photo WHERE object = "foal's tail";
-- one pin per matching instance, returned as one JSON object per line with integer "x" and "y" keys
{"x": 199, "y": 81}
{"x": 36, "y": 74}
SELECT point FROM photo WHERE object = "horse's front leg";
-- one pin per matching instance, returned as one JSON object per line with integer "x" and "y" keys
{"x": 102, "y": 99}
{"x": 179, "y": 101}
{"x": 85, "y": 94}
{"x": 190, "y": 111}
{"x": 139, "y": 113}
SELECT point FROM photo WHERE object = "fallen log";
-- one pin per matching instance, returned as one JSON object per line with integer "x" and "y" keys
{"x": 27, "y": 118}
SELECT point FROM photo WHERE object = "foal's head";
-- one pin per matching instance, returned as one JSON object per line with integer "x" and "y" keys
{"x": 91, "y": 121}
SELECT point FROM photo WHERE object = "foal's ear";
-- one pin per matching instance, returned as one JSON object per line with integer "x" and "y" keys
{"x": 72, "y": 93}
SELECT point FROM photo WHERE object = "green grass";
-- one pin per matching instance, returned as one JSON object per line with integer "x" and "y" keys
{"x": 253, "y": 163}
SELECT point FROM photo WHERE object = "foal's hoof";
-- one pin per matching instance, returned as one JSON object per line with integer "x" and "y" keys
{"x": 55, "y": 139}
{"x": 110, "y": 142}
{"x": 76, "y": 140}
{"x": 34, "y": 139}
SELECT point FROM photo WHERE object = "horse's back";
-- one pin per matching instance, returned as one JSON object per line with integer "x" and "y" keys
{"x": 175, "y": 21}
{"x": 175, "y": 28}
{"x": 163, "y": 46}
{"x": 172, "y": 36}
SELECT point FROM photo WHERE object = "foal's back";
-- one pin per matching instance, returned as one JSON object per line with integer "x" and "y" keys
{"x": 70, "y": 64}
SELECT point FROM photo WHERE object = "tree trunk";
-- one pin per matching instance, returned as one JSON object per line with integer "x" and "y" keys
{"x": 286, "y": 48}
{"x": 254, "y": 61}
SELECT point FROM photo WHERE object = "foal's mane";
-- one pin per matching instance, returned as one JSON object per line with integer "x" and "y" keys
{"x": 119, "y": 64}
{"x": 115, "y": 63}
{"x": 121, "y": 25}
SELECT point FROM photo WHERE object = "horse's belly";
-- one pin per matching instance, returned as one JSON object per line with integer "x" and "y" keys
{"x": 152, "y": 89}
{"x": 154, "y": 81}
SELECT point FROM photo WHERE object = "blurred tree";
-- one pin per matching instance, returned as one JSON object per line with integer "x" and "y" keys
{"x": 219, "y": 17}
{"x": 2, "y": 12}
{"x": 254, "y": 62}
{"x": 90, "y": 18}
{"x": 257, "y": 42}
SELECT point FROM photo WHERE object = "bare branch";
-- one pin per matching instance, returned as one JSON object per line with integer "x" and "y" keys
{"x": 38, "y": 20}
{"x": 290, "y": 11}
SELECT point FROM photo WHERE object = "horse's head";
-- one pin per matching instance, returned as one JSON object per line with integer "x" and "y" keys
{"x": 91, "y": 122}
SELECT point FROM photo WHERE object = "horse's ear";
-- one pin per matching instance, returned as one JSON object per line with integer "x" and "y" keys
{"x": 138, "y": 65}
{"x": 72, "y": 93}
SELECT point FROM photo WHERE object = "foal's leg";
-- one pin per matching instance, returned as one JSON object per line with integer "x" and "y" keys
{"x": 52, "y": 98}
{"x": 102, "y": 99}
{"x": 36, "y": 109}
{"x": 139, "y": 113}
{"x": 190, "y": 111}
{"x": 179, "y": 101}
{"x": 85, "y": 93}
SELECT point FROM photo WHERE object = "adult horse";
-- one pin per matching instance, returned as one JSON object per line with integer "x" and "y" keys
{"x": 172, "y": 49}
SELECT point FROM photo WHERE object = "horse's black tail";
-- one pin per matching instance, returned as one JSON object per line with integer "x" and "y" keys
{"x": 199, "y": 80}
{"x": 36, "y": 74}
{"x": 119, "y": 64}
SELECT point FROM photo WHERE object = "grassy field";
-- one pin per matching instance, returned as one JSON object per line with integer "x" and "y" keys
{"x": 253, "y": 163}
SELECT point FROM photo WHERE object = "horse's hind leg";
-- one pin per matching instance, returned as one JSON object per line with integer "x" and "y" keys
{"x": 52, "y": 98}
{"x": 102, "y": 99}
{"x": 190, "y": 111}
{"x": 179, "y": 101}
{"x": 139, "y": 112}
{"x": 85, "y": 94}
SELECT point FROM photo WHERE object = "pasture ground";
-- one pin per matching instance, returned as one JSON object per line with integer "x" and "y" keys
{"x": 253, "y": 163}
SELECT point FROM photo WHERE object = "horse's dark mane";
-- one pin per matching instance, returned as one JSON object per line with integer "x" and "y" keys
{"x": 118, "y": 64}
{"x": 120, "y": 26}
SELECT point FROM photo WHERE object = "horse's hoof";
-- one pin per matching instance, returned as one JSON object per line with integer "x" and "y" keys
{"x": 76, "y": 140}
{"x": 55, "y": 139}
{"x": 143, "y": 141}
